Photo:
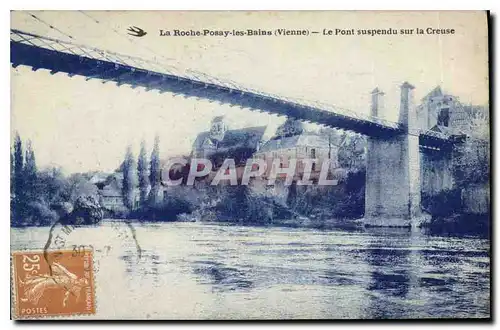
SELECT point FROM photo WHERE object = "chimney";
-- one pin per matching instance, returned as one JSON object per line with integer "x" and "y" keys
{"x": 377, "y": 106}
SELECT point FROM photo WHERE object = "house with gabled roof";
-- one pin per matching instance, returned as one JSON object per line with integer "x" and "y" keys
{"x": 292, "y": 141}
{"x": 110, "y": 192}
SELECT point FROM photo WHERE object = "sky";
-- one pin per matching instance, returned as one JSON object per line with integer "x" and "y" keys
{"x": 86, "y": 125}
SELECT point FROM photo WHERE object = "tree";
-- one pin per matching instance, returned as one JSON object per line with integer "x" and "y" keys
{"x": 129, "y": 178}
{"x": 234, "y": 203}
{"x": 143, "y": 174}
{"x": 18, "y": 166}
{"x": 352, "y": 151}
{"x": 154, "y": 173}
{"x": 479, "y": 124}
{"x": 77, "y": 185}
{"x": 19, "y": 201}
{"x": 289, "y": 128}
{"x": 11, "y": 174}
{"x": 471, "y": 162}
{"x": 12, "y": 194}
{"x": 471, "y": 159}
{"x": 30, "y": 165}
{"x": 56, "y": 188}
{"x": 334, "y": 138}
{"x": 30, "y": 172}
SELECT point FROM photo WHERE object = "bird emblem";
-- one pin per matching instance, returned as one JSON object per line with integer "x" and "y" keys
{"x": 61, "y": 278}
{"x": 136, "y": 31}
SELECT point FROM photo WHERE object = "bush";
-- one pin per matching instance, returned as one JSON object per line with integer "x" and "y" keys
{"x": 233, "y": 204}
{"x": 167, "y": 210}
{"x": 345, "y": 200}
{"x": 41, "y": 214}
{"x": 86, "y": 211}
{"x": 471, "y": 162}
{"x": 240, "y": 204}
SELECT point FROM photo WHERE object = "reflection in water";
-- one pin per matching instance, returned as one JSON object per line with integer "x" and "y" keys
{"x": 203, "y": 271}
{"x": 391, "y": 267}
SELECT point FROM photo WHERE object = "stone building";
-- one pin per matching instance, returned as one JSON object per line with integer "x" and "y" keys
{"x": 445, "y": 114}
{"x": 221, "y": 142}
{"x": 292, "y": 141}
{"x": 442, "y": 112}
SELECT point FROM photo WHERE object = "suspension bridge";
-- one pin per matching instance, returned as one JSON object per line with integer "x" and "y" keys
{"x": 393, "y": 160}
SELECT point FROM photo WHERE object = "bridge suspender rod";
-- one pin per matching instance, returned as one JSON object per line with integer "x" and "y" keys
{"x": 128, "y": 38}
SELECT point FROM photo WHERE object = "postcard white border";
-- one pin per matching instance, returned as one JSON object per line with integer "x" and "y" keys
{"x": 8, "y": 5}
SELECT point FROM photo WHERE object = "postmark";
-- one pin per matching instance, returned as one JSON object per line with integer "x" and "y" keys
{"x": 62, "y": 237}
{"x": 53, "y": 283}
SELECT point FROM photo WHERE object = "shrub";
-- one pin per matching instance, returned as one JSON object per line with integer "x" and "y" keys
{"x": 86, "y": 211}
{"x": 40, "y": 214}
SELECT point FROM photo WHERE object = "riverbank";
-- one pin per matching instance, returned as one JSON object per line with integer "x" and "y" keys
{"x": 464, "y": 224}
{"x": 458, "y": 224}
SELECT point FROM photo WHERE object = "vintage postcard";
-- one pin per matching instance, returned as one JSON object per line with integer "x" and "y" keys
{"x": 260, "y": 165}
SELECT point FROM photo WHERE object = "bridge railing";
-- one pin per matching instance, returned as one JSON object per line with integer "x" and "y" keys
{"x": 155, "y": 66}
{"x": 193, "y": 75}
{"x": 93, "y": 53}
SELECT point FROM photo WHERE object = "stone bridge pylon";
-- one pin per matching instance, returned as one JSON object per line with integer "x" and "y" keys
{"x": 392, "y": 195}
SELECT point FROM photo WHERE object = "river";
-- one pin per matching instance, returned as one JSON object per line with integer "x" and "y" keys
{"x": 211, "y": 271}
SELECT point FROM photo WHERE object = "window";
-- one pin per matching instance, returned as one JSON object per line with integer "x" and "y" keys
{"x": 313, "y": 153}
{"x": 444, "y": 117}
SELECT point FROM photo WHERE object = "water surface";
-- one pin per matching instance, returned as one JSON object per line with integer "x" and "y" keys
{"x": 210, "y": 271}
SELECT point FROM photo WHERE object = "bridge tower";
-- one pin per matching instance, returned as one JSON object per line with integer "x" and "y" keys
{"x": 392, "y": 195}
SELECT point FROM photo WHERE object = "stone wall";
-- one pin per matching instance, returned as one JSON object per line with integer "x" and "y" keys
{"x": 436, "y": 172}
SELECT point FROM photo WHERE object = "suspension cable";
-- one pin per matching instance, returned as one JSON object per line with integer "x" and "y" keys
{"x": 49, "y": 25}
{"x": 128, "y": 38}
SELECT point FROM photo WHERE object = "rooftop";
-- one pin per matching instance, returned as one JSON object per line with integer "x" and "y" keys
{"x": 236, "y": 138}
{"x": 305, "y": 139}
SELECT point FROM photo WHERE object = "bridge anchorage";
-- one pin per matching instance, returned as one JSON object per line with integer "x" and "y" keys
{"x": 394, "y": 164}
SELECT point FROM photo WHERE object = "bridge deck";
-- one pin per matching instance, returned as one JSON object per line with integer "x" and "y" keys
{"x": 59, "y": 56}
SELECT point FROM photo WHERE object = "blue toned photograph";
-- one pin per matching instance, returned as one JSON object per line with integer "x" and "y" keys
{"x": 232, "y": 165}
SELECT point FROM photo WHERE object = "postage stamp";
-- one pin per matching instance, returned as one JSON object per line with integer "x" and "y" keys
{"x": 53, "y": 283}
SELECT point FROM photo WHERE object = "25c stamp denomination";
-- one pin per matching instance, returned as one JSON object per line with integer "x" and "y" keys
{"x": 53, "y": 283}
